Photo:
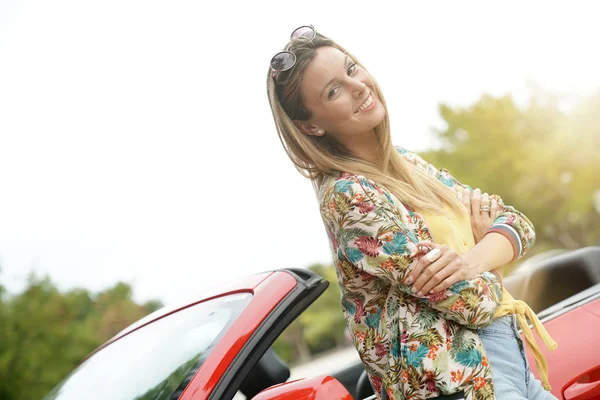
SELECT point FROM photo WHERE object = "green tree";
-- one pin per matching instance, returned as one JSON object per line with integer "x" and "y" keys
{"x": 539, "y": 158}
{"x": 45, "y": 333}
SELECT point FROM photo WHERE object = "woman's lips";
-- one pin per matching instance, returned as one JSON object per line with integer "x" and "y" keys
{"x": 370, "y": 99}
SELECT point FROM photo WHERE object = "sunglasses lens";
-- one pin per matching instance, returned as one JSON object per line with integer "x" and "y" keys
{"x": 304, "y": 31}
{"x": 283, "y": 61}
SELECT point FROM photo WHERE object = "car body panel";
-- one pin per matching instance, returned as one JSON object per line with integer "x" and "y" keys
{"x": 267, "y": 294}
{"x": 584, "y": 387}
{"x": 578, "y": 352}
{"x": 315, "y": 388}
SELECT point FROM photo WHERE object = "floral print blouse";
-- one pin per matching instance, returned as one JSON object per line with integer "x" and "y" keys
{"x": 411, "y": 347}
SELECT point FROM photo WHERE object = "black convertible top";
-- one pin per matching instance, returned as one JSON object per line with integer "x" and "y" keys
{"x": 546, "y": 283}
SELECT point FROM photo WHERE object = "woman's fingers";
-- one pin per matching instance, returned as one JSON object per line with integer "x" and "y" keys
{"x": 439, "y": 277}
{"x": 494, "y": 209}
{"x": 448, "y": 282}
{"x": 465, "y": 198}
{"x": 416, "y": 271}
{"x": 428, "y": 271}
{"x": 485, "y": 202}
{"x": 425, "y": 247}
{"x": 426, "y": 243}
{"x": 475, "y": 202}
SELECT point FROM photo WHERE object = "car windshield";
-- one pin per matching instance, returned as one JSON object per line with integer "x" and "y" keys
{"x": 157, "y": 361}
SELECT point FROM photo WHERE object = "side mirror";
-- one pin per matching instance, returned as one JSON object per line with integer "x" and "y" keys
{"x": 319, "y": 387}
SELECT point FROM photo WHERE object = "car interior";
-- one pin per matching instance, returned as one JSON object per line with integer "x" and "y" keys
{"x": 270, "y": 370}
{"x": 541, "y": 285}
{"x": 555, "y": 279}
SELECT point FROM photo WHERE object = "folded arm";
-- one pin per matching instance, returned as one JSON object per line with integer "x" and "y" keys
{"x": 509, "y": 222}
{"x": 367, "y": 231}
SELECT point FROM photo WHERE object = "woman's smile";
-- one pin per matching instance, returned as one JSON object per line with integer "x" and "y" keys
{"x": 367, "y": 105}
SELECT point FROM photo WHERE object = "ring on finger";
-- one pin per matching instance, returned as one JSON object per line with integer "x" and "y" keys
{"x": 485, "y": 209}
{"x": 433, "y": 255}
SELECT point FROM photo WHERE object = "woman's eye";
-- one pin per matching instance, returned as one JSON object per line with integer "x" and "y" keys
{"x": 351, "y": 69}
{"x": 332, "y": 92}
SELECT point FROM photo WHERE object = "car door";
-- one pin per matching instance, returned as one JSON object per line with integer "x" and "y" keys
{"x": 276, "y": 302}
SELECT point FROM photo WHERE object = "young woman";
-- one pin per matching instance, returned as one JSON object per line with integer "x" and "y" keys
{"x": 418, "y": 255}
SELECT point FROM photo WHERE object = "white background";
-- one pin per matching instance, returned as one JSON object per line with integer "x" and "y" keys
{"x": 136, "y": 141}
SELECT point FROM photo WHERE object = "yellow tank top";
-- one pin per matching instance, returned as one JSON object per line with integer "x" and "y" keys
{"x": 455, "y": 231}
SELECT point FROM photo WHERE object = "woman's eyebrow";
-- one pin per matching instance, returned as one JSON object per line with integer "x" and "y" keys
{"x": 334, "y": 78}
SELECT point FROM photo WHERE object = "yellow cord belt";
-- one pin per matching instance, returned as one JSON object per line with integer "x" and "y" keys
{"x": 510, "y": 306}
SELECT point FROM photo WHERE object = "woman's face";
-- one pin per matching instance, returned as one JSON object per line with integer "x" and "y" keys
{"x": 340, "y": 96}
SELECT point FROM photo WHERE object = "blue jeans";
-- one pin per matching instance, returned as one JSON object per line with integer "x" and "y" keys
{"x": 510, "y": 371}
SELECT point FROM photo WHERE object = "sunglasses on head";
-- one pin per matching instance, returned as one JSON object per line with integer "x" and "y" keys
{"x": 285, "y": 60}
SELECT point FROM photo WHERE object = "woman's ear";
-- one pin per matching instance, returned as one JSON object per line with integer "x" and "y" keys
{"x": 309, "y": 129}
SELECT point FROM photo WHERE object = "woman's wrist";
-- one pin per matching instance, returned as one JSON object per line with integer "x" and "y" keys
{"x": 491, "y": 253}
{"x": 478, "y": 264}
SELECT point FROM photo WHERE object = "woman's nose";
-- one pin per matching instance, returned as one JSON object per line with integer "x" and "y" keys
{"x": 358, "y": 87}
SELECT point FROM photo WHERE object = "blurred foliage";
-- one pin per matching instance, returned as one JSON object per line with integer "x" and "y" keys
{"x": 539, "y": 158}
{"x": 44, "y": 333}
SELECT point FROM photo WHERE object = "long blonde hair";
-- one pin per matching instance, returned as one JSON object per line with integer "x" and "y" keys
{"x": 316, "y": 157}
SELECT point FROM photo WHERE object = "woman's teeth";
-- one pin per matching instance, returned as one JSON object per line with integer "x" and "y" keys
{"x": 366, "y": 104}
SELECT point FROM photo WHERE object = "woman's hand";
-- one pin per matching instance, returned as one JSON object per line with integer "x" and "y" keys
{"x": 482, "y": 211}
{"x": 438, "y": 270}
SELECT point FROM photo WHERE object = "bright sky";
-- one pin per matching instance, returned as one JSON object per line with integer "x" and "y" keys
{"x": 136, "y": 141}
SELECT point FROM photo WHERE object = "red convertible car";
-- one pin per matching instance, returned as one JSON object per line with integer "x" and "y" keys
{"x": 218, "y": 346}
